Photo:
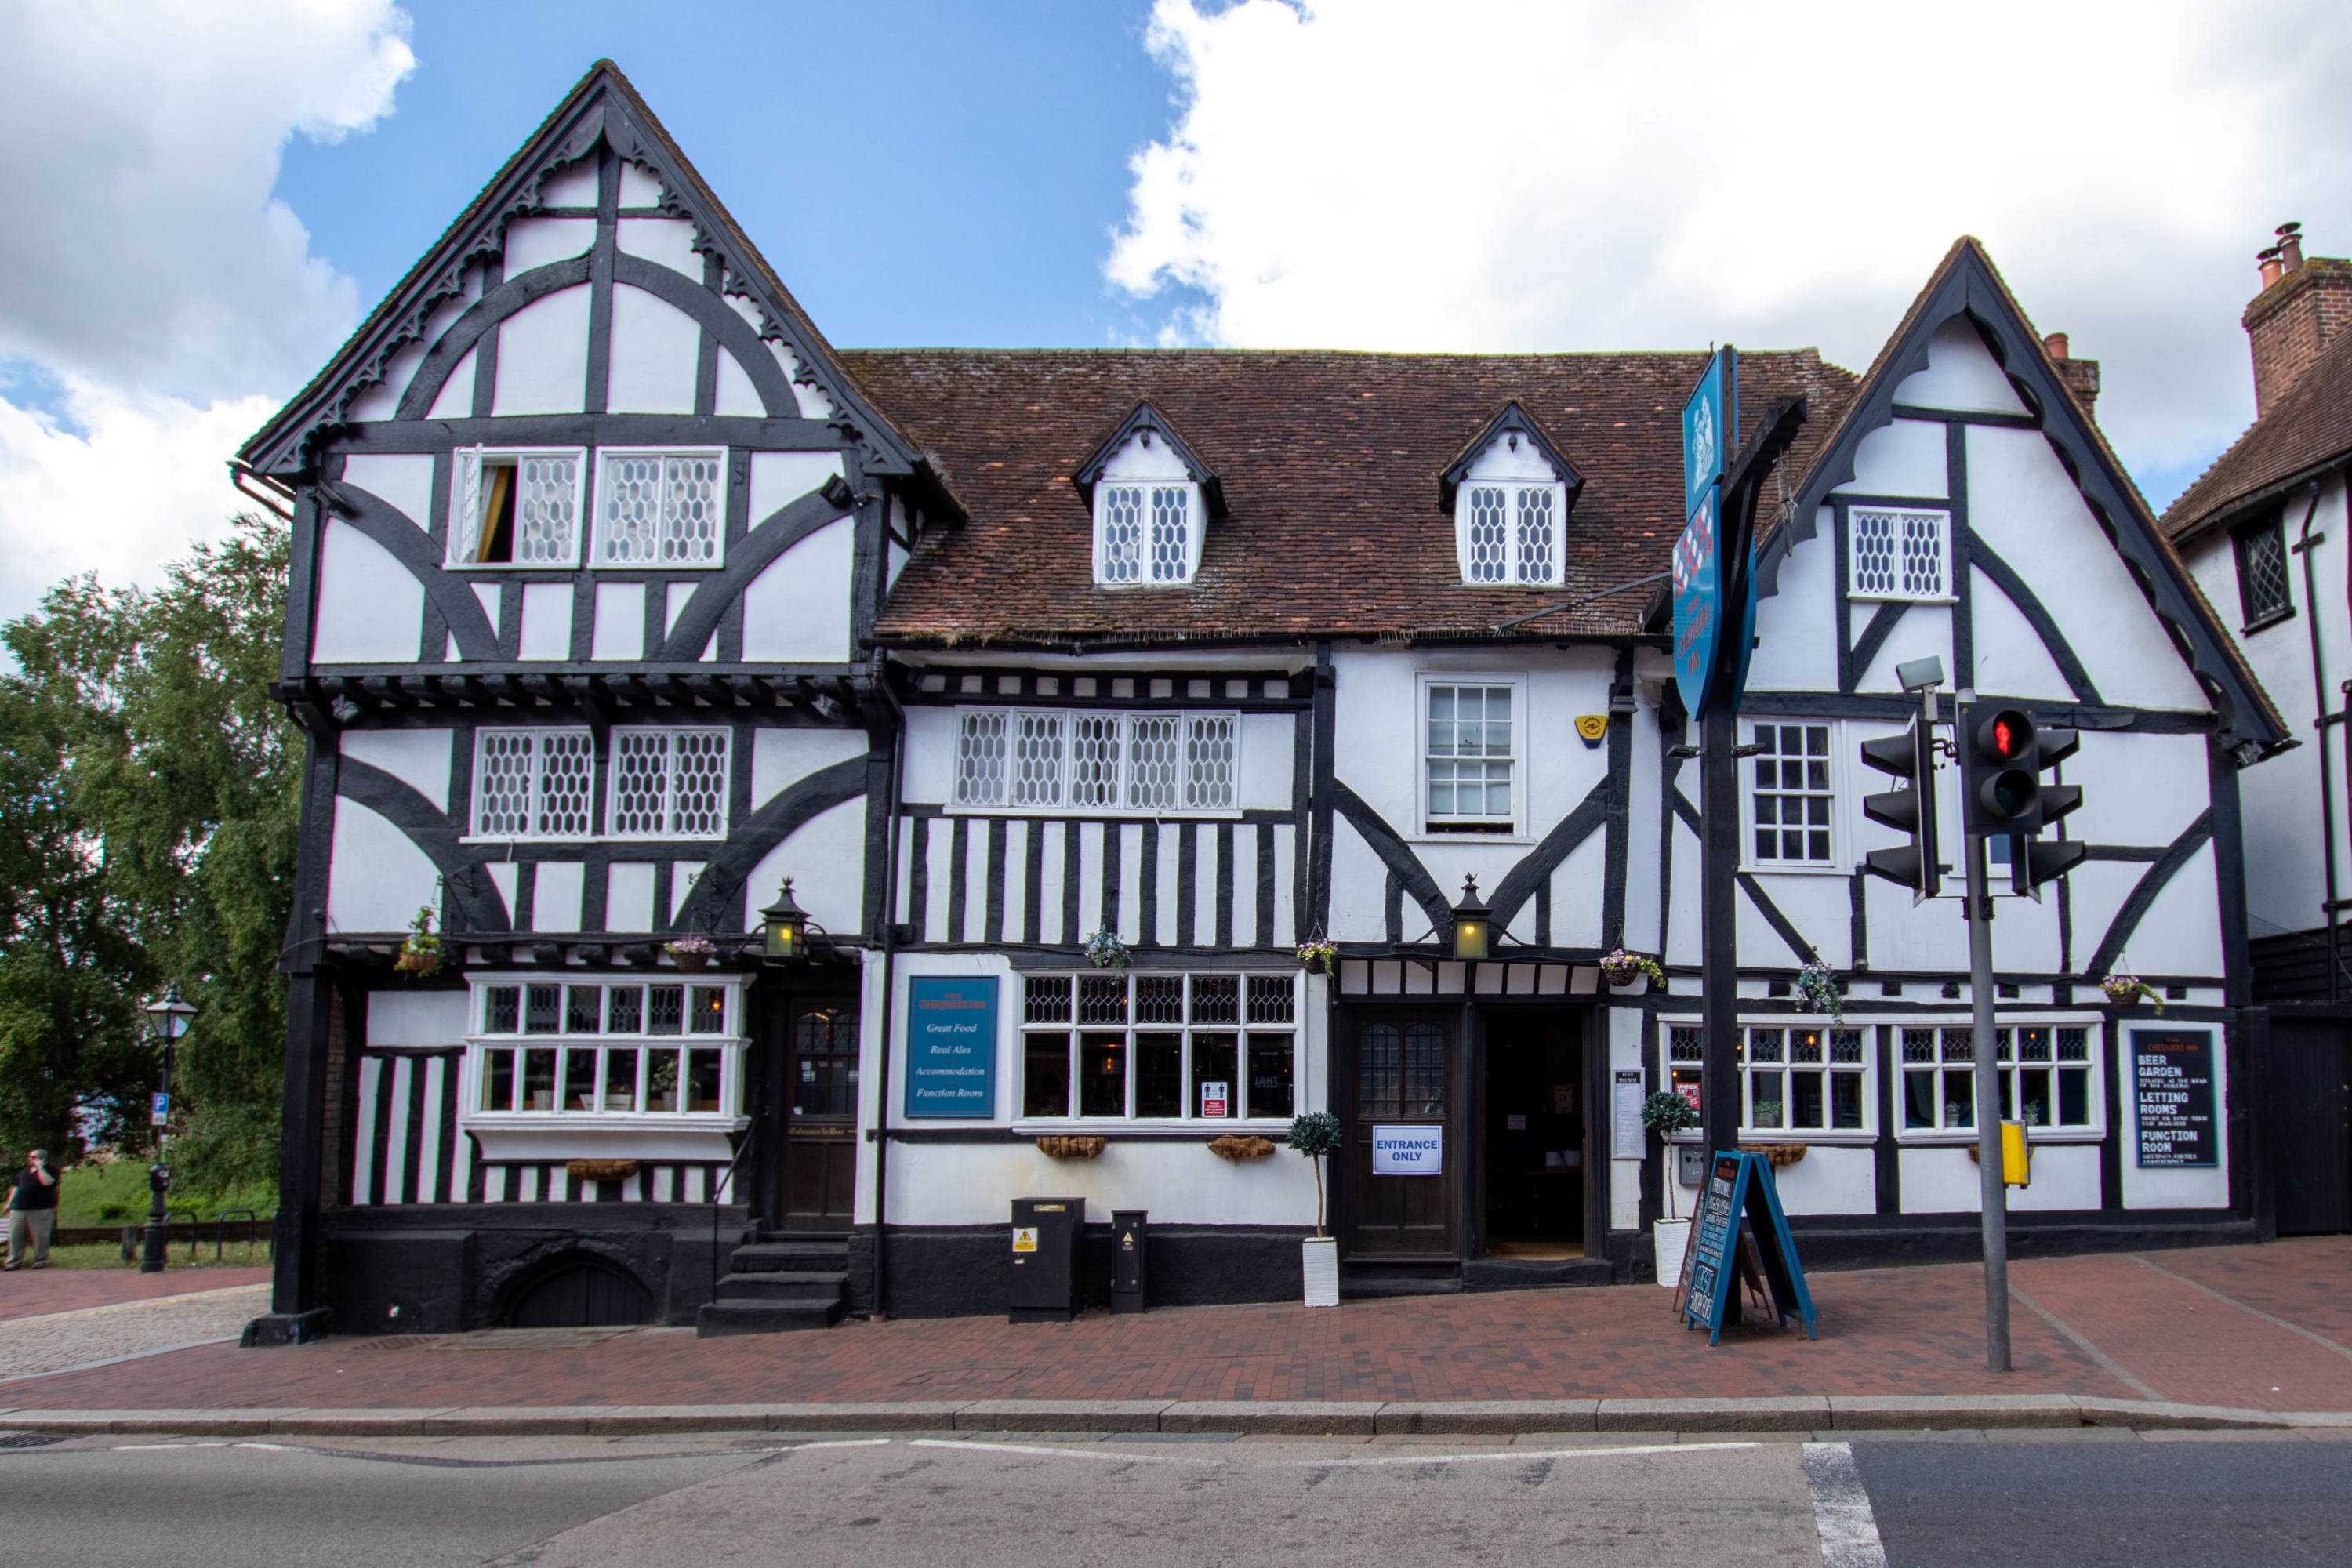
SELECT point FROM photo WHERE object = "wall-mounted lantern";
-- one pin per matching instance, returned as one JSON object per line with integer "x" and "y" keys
{"x": 784, "y": 926}
{"x": 1472, "y": 928}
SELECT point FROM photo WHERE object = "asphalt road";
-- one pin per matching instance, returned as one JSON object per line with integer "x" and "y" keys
{"x": 1045, "y": 1502}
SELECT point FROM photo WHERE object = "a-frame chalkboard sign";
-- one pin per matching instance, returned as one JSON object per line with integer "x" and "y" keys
{"x": 1739, "y": 1191}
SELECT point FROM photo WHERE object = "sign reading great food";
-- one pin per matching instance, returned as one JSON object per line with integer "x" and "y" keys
{"x": 2172, "y": 1088}
{"x": 1408, "y": 1151}
{"x": 952, "y": 1045}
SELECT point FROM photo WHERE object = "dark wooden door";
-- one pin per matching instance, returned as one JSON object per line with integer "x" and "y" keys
{"x": 2310, "y": 1094}
{"x": 1398, "y": 1070}
{"x": 820, "y": 1164}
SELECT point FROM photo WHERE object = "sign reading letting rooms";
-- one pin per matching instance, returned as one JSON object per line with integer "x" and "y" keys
{"x": 2172, "y": 1083}
{"x": 952, "y": 1046}
{"x": 1408, "y": 1151}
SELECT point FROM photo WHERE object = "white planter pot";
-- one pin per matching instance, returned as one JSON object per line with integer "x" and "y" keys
{"x": 1320, "y": 1258}
{"x": 1672, "y": 1237}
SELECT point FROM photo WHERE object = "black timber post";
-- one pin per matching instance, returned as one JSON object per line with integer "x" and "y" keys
{"x": 1718, "y": 929}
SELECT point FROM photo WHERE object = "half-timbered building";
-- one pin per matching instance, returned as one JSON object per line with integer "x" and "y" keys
{"x": 1074, "y": 692}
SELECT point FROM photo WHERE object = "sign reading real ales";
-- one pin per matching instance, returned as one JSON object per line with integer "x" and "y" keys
{"x": 952, "y": 1045}
{"x": 2172, "y": 1088}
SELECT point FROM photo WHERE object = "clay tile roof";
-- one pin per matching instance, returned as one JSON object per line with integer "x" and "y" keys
{"x": 2309, "y": 428}
{"x": 1331, "y": 464}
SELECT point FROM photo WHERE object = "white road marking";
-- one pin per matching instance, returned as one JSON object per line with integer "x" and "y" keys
{"x": 1525, "y": 1454}
{"x": 1842, "y": 1512}
{"x": 833, "y": 1443}
{"x": 1121, "y": 1453}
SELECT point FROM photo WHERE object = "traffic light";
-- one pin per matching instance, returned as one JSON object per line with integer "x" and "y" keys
{"x": 2003, "y": 760}
{"x": 1910, "y": 755}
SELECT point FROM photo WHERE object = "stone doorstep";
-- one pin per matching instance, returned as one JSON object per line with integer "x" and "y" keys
{"x": 1844, "y": 1412}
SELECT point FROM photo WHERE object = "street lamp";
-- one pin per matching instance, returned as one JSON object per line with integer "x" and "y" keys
{"x": 785, "y": 927}
{"x": 1470, "y": 925}
{"x": 171, "y": 1015}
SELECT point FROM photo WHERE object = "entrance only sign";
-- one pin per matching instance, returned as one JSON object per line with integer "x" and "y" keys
{"x": 1408, "y": 1151}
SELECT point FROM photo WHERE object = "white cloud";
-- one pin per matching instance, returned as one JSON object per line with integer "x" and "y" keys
{"x": 145, "y": 267}
{"x": 1385, "y": 173}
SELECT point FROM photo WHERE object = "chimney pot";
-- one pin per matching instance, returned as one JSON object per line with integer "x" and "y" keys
{"x": 2272, "y": 267}
{"x": 2290, "y": 245}
{"x": 2305, "y": 303}
{"x": 2054, "y": 345}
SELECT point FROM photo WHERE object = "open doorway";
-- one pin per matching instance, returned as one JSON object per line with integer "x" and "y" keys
{"x": 1534, "y": 1113}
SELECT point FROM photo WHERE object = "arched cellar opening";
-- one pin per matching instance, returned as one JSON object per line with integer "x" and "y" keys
{"x": 577, "y": 1291}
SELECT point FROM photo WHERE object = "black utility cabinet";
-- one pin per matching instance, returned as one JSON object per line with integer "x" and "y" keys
{"x": 1046, "y": 1259}
{"x": 1127, "y": 1227}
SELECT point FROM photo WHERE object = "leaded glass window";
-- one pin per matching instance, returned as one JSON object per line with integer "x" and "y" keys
{"x": 1898, "y": 554}
{"x": 1152, "y": 762}
{"x": 532, "y": 784}
{"x": 1489, "y": 508}
{"x": 515, "y": 509}
{"x": 2264, "y": 593}
{"x": 980, "y": 746}
{"x": 657, "y": 509}
{"x": 1171, "y": 514}
{"x": 1119, "y": 552}
{"x": 667, "y": 783}
{"x": 1510, "y": 533}
{"x": 1148, "y": 763}
{"x": 1537, "y": 560}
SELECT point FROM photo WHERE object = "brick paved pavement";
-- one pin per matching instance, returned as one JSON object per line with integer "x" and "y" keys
{"x": 1891, "y": 1331}
{"x": 38, "y": 1292}
{"x": 34, "y": 1345}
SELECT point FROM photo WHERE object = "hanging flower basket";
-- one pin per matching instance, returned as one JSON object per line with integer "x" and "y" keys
{"x": 1105, "y": 951}
{"x": 1624, "y": 970}
{"x": 1321, "y": 954}
{"x": 420, "y": 954}
{"x": 691, "y": 953}
{"x": 1238, "y": 1148}
{"x": 1818, "y": 986}
{"x": 1069, "y": 1148}
{"x": 2125, "y": 991}
{"x": 1780, "y": 1154}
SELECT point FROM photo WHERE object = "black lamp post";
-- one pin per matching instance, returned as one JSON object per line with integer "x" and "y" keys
{"x": 1472, "y": 928}
{"x": 784, "y": 926}
{"x": 171, "y": 1018}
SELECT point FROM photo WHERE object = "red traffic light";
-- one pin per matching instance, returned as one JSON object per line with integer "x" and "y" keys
{"x": 2005, "y": 736}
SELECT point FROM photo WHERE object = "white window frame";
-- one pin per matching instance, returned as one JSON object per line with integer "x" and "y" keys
{"x": 1841, "y": 810}
{"x": 478, "y": 833}
{"x": 482, "y": 1043}
{"x": 1107, "y": 493}
{"x": 1243, "y": 1116}
{"x": 668, "y": 810}
{"x": 1866, "y": 1071}
{"x": 1514, "y": 575}
{"x": 466, "y": 499}
{"x": 2012, "y": 1069}
{"x": 1195, "y": 726}
{"x": 1896, "y": 595}
{"x": 607, "y": 456}
{"x": 1426, "y": 828}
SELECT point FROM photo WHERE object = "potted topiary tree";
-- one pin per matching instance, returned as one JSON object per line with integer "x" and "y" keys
{"x": 1315, "y": 1135}
{"x": 1667, "y": 1113}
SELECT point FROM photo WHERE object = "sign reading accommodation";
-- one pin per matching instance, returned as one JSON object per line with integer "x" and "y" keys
{"x": 2173, "y": 1086}
{"x": 952, "y": 1045}
{"x": 1408, "y": 1151}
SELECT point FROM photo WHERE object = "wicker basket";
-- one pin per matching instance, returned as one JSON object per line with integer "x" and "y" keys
{"x": 1069, "y": 1148}
{"x": 1778, "y": 1153}
{"x": 1237, "y": 1149}
{"x": 600, "y": 1170}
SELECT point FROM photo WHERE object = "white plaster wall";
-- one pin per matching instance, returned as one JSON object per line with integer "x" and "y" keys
{"x": 1797, "y": 627}
{"x": 416, "y": 1017}
{"x": 546, "y": 621}
{"x": 506, "y": 877}
{"x": 370, "y": 610}
{"x": 928, "y": 775}
{"x": 403, "y": 481}
{"x": 1820, "y": 906}
{"x": 2175, "y": 1188}
{"x": 2065, "y": 1177}
{"x": 1930, "y": 937}
{"x": 797, "y": 610}
{"x": 825, "y": 858}
{"x": 1360, "y": 891}
{"x": 1578, "y": 905}
{"x": 556, "y": 895}
{"x": 543, "y": 356}
{"x": 780, "y": 479}
{"x": 1683, "y": 943}
{"x": 653, "y": 348}
{"x": 537, "y": 241}
{"x": 1180, "y": 1181}
{"x": 2012, "y": 659}
{"x": 1497, "y": 460}
{"x": 1643, "y": 806}
{"x": 574, "y": 186}
{"x": 668, "y": 242}
{"x": 638, "y": 187}
{"x": 1829, "y": 1179}
{"x": 1624, "y": 1025}
{"x": 1924, "y": 630}
{"x": 629, "y": 896}
{"x": 1960, "y": 375}
{"x": 784, "y": 757}
{"x": 417, "y": 758}
{"x": 1269, "y": 751}
{"x": 2181, "y": 932}
{"x": 2021, "y": 503}
{"x": 1902, "y": 458}
{"x": 813, "y": 403}
{"x": 620, "y": 632}
{"x": 455, "y": 398}
{"x": 1938, "y": 1180}
{"x": 737, "y": 397}
{"x": 377, "y": 878}
{"x": 1135, "y": 461}
{"x": 382, "y": 401}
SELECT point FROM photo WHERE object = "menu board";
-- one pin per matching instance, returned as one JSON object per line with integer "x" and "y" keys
{"x": 952, "y": 1045}
{"x": 1740, "y": 1193}
{"x": 2172, "y": 1089}
{"x": 1625, "y": 1139}
{"x": 1711, "y": 1242}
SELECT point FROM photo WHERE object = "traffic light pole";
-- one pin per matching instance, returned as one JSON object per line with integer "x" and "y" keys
{"x": 1995, "y": 1189}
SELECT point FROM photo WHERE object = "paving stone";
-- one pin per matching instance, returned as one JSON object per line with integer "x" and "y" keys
{"x": 1061, "y": 1415}
{"x": 1801, "y": 1413}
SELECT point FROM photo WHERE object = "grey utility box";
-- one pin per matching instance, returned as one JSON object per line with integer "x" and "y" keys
{"x": 1046, "y": 1259}
{"x": 1127, "y": 1229}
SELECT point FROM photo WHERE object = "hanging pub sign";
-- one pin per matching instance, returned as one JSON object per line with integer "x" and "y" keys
{"x": 1701, "y": 577}
{"x": 2172, "y": 1089}
{"x": 952, "y": 1045}
{"x": 1740, "y": 1194}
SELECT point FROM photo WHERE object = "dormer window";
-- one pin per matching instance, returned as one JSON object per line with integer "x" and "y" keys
{"x": 1510, "y": 492}
{"x": 1152, "y": 499}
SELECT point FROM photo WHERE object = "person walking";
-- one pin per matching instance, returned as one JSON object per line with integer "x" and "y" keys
{"x": 32, "y": 1211}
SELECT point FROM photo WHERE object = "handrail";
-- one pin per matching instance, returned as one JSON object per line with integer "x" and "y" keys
{"x": 725, "y": 1182}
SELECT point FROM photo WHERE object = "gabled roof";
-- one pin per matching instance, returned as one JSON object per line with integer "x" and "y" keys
{"x": 1513, "y": 420}
{"x": 1967, "y": 283}
{"x": 2305, "y": 432}
{"x": 603, "y": 107}
{"x": 1326, "y": 459}
{"x": 1146, "y": 421}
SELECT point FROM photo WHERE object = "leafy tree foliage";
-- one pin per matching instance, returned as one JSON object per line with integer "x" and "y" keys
{"x": 158, "y": 790}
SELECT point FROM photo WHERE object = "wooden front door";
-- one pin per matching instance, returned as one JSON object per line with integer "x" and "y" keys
{"x": 820, "y": 1164}
{"x": 1398, "y": 1070}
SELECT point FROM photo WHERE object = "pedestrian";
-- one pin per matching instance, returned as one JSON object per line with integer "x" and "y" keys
{"x": 32, "y": 1211}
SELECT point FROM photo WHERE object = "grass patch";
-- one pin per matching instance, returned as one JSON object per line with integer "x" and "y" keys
{"x": 109, "y": 1255}
{"x": 116, "y": 1194}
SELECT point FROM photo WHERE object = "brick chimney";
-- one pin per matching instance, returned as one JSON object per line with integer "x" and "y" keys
{"x": 2303, "y": 303}
{"x": 2081, "y": 375}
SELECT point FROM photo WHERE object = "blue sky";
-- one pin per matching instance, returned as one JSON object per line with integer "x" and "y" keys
{"x": 992, "y": 139}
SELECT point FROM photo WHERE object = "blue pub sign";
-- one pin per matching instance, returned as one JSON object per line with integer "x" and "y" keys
{"x": 1709, "y": 417}
{"x": 952, "y": 1045}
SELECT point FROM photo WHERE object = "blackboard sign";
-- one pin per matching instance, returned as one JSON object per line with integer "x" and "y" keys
{"x": 1739, "y": 1193}
{"x": 2172, "y": 1086}
{"x": 952, "y": 1045}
